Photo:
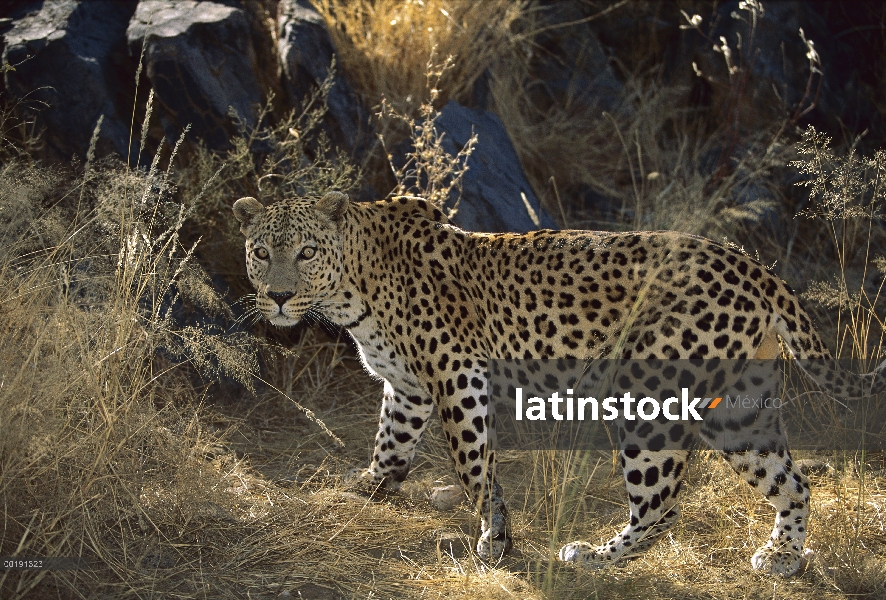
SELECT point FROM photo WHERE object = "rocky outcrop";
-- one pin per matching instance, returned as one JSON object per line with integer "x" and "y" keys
{"x": 495, "y": 193}
{"x": 569, "y": 65}
{"x": 774, "y": 69}
{"x": 306, "y": 54}
{"x": 202, "y": 57}
{"x": 70, "y": 63}
{"x": 200, "y": 60}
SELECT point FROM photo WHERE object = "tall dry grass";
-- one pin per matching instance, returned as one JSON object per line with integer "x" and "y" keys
{"x": 847, "y": 199}
{"x": 86, "y": 299}
{"x": 385, "y": 46}
{"x": 103, "y": 435}
{"x": 405, "y": 60}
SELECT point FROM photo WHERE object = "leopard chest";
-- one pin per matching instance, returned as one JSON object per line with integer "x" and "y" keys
{"x": 380, "y": 353}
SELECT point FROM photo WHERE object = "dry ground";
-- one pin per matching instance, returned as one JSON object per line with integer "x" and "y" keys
{"x": 310, "y": 533}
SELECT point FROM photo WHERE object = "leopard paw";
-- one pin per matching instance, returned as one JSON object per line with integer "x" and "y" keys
{"x": 583, "y": 554}
{"x": 492, "y": 548}
{"x": 783, "y": 561}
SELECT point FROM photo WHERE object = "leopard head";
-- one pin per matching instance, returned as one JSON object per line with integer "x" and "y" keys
{"x": 294, "y": 253}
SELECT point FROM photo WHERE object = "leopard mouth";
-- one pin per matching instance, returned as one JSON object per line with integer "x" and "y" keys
{"x": 282, "y": 316}
{"x": 281, "y": 320}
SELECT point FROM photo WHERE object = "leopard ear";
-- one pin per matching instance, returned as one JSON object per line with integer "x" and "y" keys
{"x": 246, "y": 210}
{"x": 333, "y": 205}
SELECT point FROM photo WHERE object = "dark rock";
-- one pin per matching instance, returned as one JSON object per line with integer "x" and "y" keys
{"x": 306, "y": 54}
{"x": 491, "y": 197}
{"x": 569, "y": 65}
{"x": 770, "y": 57}
{"x": 200, "y": 60}
{"x": 480, "y": 95}
{"x": 773, "y": 80}
{"x": 76, "y": 63}
{"x": 590, "y": 201}
{"x": 853, "y": 63}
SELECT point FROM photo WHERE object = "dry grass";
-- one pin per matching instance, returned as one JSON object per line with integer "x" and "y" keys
{"x": 407, "y": 59}
{"x": 86, "y": 395}
{"x": 646, "y": 153}
{"x": 109, "y": 451}
{"x": 115, "y": 446}
{"x": 647, "y": 158}
{"x": 385, "y": 46}
{"x": 168, "y": 499}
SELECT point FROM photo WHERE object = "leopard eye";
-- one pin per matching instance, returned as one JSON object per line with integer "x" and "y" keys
{"x": 261, "y": 253}
{"x": 307, "y": 253}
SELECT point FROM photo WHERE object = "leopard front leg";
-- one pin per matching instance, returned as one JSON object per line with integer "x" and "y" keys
{"x": 465, "y": 419}
{"x": 403, "y": 419}
{"x": 654, "y": 480}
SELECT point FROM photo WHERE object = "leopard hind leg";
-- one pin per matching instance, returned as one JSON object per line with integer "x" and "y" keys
{"x": 654, "y": 481}
{"x": 753, "y": 441}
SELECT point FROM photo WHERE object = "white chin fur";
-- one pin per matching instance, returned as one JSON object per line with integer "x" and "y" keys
{"x": 281, "y": 320}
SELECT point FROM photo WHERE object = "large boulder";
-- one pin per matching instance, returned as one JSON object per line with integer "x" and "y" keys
{"x": 569, "y": 65}
{"x": 495, "y": 192}
{"x": 200, "y": 60}
{"x": 306, "y": 54}
{"x": 72, "y": 57}
{"x": 772, "y": 77}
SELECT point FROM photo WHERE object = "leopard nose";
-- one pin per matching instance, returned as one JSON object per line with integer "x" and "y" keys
{"x": 280, "y": 297}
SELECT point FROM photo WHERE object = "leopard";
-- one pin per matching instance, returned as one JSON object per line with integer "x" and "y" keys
{"x": 429, "y": 304}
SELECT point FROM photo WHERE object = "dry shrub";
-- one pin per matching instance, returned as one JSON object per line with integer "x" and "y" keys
{"x": 385, "y": 46}
{"x": 642, "y": 156}
{"x": 19, "y": 136}
{"x": 428, "y": 170}
{"x": 101, "y": 443}
{"x": 846, "y": 200}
